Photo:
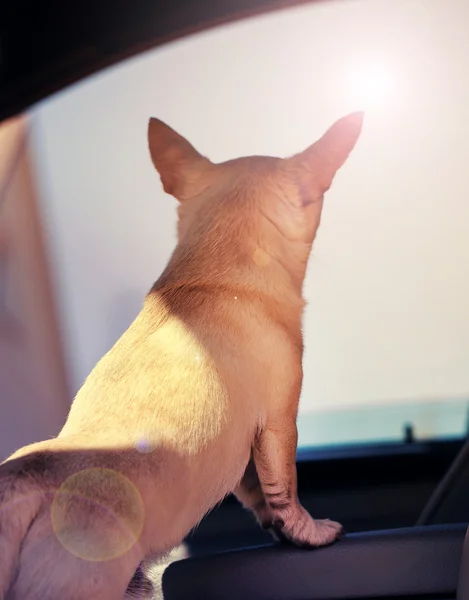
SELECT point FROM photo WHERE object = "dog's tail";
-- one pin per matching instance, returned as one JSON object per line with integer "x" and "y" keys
{"x": 20, "y": 502}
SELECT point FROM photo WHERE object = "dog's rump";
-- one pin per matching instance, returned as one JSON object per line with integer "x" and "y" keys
{"x": 32, "y": 567}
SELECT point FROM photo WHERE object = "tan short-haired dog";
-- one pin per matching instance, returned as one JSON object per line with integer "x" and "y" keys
{"x": 197, "y": 399}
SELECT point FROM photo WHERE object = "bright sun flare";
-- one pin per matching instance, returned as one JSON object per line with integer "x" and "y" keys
{"x": 370, "y": 86}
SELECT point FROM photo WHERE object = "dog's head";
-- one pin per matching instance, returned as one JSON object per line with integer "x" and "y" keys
{"x": 285, "y": 194}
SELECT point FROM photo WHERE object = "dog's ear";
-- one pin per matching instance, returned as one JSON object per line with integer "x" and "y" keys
{"x": 182, "y": 169}
{"x": 317, "y": 165}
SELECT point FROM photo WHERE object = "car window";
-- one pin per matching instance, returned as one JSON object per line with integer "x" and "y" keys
{"x": 387, "y": 325}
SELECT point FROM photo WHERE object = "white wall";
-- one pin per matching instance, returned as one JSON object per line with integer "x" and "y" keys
{"x": 388, "y": 285}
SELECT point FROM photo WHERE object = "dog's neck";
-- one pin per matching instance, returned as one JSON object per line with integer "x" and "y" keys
{"x": 246, "y": 253}
{"x": 249, "y": 268}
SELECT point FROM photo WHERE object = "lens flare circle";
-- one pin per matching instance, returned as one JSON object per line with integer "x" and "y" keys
{"x": 97, "y": 514}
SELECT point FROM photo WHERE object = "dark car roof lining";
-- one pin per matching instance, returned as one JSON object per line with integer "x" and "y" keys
{"x": 47, "y": 46}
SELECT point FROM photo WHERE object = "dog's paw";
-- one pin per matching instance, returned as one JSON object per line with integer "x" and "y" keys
{"x": 301, "y": 529}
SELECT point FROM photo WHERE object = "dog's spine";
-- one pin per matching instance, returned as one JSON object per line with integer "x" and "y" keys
{"x": 19, "y": 504}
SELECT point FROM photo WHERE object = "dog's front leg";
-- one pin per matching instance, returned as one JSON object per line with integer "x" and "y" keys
{"x": 275, "y": 464}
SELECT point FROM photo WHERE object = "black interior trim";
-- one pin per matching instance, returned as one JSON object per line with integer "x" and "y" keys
{"x": 450, "y": 501}
{"x": 463, "y": 583}
{"x": 411, "y": 562}
{"x": 361, "y": 450}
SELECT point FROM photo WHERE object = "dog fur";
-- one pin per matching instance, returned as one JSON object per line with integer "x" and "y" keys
{"x": 197, "y": 399}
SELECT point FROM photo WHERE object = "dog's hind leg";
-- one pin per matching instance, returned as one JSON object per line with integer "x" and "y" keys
{"x": 20, "y": 502}
{"x": 249, "y": 493}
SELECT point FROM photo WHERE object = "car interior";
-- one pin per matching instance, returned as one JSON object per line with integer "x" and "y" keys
{"x": 402, "y": 497}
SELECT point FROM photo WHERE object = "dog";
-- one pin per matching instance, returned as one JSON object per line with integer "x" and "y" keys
{"x": 197, "y": 399}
